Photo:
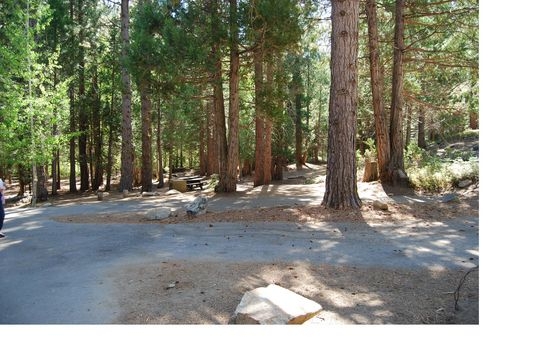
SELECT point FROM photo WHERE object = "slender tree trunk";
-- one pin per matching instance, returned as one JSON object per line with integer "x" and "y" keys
{"x": 219, "y": 114}
{"x": 381, "y": 126}
{"x": 112, "y": 107}
{"x": 299, "y": 139}
{"x": 98, "y": 138}
{"x": 128, "y": 150}
{"x": 217, "y": 87}
{"x": 83, "y": 116}
{"x": 341, "y": 179}
{"x": 318, "y": 131}
{"x": 397, "y": 167}
{"x": 422, "y": 127}
{"x": 108, "y": 167}
{"x": 41, "y": 184}
{"x": 203, "y": 146}
{"x": 211, "y": 139}
{"x": 159, "y": 146}
{"x": 268, "y": 122}
{"x": 72, "y": 144}
{"x": 258, "y": 179}
{"x": 72, "y": 109}
{"x": 408, "y": 126}
{"x": 297, "y": 93}
{"x": 55, "y": 153}
{"x": 228, "y": 179}
{"x": 146, "y": 135}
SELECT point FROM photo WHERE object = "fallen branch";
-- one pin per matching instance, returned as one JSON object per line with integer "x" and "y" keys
{"x": 461, "y": 282}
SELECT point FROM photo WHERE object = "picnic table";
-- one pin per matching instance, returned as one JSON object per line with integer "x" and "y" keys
{"x": 188, "y": 183}
{"x": 195, "y": 181}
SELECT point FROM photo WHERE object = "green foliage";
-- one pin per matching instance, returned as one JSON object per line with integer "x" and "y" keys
{"x": 175, "y": 45}
{"x": 31, "y": 101}
{"x": 370, "y": 153}
{"x": 434, "y": 173}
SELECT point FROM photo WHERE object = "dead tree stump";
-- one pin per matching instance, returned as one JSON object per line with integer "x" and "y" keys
{"x": 371, "y": 172}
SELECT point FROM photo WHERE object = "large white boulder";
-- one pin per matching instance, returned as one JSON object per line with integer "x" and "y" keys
{"x": 274, "y": 305}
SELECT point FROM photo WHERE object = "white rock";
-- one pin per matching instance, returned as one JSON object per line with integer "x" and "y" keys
{"x": 157, "y": 213}
{"x": 198, "y": 206}
{"x": 150, "y": 194}
{"x": 274, "y": 305}
{"x": 380, "y": 205}
{"x": 172, "y": 192}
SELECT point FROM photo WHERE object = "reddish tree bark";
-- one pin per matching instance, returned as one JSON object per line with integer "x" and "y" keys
{"x": 341, "y": 179}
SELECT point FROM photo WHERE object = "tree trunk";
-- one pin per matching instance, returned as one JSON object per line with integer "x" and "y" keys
{"x": 108, "y": 167}
{"x": 219, "y": 114}
{"x": 422, "y": 127}
{"x": 146, "y": 135}
{"x": 341, "y": 182}
{"x": 258, "y": 178}
{"x": 98, "y": 138}
{"x": 55, "y": 186}
{"x": 83, "y": 117}
{"x": 159, "y": 146}
{"x": 56, "y": 153}
{"x": 72, "y": 144}
{"x": 397, "y": 167}
{"x": 297, "y": 94}
{"x": 473, "y": 120}
{"x": 203, "y": 146}
{"x": 268, "y": 121}
{"x": 299, "y": 141}
{"x": 408, "y": 126}
{"x": 41, "y": 189}
{"x": 211, "y": 139}
{"x": 128, "y": 150}
{"x": 371, "y": 172}
{"x": 228, "y": 178}
{"x": 317, "y": 146}
{"x": 111, "y": 141}
{"x": 72, "y": 108}
{"x": 381, "y": 126}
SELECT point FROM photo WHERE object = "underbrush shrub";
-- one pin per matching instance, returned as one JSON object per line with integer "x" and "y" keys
{"x": 432, "y": 173}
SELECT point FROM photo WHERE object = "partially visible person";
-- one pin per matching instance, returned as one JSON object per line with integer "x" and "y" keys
{"x": 2, "y": 202}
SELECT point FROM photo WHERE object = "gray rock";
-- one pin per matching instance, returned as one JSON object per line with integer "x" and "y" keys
{"x": 102, "y": 195}
{"x": 380, "y": 205}
{"x": 449, "y": 198}
{"x": 274, "y": 305}
{"x": 172, "y": 192}
{"x": 157, "y": 213}
{"x": 198, "y": 206}
{"x": 150, "y": 194}
{"x": 465, "y": 183}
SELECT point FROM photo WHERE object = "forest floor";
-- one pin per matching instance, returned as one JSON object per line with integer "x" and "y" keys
{"x": 206, "y": 292}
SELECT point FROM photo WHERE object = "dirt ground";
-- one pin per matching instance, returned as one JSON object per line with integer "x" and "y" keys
{"x": 188, "y": 292}
{"x": 185, "y": 292}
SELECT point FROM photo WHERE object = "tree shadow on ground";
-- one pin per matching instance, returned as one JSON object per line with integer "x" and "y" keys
{"x": 208, "y": 292}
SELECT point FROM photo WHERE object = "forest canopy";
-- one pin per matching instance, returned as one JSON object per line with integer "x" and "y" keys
{"x": 119, "y": 94}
